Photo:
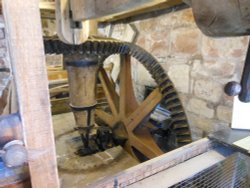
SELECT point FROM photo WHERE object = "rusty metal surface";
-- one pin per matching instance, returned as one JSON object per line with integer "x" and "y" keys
{"x": 222, "y": 18}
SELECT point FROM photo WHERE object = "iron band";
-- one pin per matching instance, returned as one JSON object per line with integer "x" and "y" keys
{"x": 82, "y": 63}
{"x": 82, "y": 108}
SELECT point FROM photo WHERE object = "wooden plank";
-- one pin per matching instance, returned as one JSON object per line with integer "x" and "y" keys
{"x": 156, "y": 165}
{"x": 111, "y": 10}
{"x": 154, "y": 6}
{"x": 181, "y": 171}
{"x": 24, "y": 36}
{"x": 60, "y": 106}
{"x": 88, "y": 9}
{"x": 57, "y": 75}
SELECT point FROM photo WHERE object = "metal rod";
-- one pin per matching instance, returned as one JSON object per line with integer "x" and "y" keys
{"x": 244, "y": 95}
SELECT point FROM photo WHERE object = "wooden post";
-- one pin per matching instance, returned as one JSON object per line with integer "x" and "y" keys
{"x": 65, "y": 31}
{"x": 24, "y": 35}
{"x": 82, "y": 86}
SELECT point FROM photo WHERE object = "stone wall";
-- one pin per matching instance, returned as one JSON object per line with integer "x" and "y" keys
{"x": 198, "y": 65}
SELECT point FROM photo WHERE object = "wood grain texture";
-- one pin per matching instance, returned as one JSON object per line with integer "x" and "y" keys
{"x": 82, "y": 89}
{"x": 25, "y": 42}
{"x": 156, "y": 165}
{"x": 64, "y": 25}
{"x": 111, "y": 10}
{"x": 86, "y": 9}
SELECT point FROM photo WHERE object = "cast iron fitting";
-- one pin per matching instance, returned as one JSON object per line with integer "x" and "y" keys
{"x": 14, "y": 154}
{"x": 83, "y": 63}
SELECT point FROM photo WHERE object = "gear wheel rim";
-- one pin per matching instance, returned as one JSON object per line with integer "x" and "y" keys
{"x": 104, "y": 47}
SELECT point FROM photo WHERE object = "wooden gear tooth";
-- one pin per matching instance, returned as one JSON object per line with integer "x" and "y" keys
{"x": 165, "y": 93}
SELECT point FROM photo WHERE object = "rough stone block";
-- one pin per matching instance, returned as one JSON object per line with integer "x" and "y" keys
{"x": 213, "y": 68}
{"x": 224, "y": 113}
{"x": 185, "y": 41}
{"x": 208, "y": 90}
{"x": 197, "y": 133}
{"x": 224, "y": 47}
{"x": 200, "y": 107}
{"x": 205, "y": 124}
{"x": 202, "y": 123}
{"x": 179, "y": 74}
{"x": 160, "y": 49}
{"x": 158, "y": 42}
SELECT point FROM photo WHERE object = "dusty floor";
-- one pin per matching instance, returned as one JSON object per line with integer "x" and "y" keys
{"x": 77, "y": 172}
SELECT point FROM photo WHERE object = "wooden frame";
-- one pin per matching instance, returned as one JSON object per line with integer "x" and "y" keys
{"x": 156, "y": 165}
{"x": 153, "y": 5}
{"x": 87, "y": 13}
{"x": 108, "y": 12}
{"x": 24, "y": 36}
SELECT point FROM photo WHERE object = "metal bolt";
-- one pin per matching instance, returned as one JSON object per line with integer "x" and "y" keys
{"x": 14, "y": 154}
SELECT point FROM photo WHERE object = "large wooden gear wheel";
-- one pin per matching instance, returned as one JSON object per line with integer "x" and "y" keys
{"x": 126, "y": 117}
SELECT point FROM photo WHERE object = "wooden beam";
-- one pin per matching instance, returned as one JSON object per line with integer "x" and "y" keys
{"x": 105, "y": 11}
{"x": 88, "y": 9}
{"x": 154, "y": 6}
{"x": 110, "y": 10}
{"x": 24, "y": 36}
{"x": 156, "y": 165}
{"x": 65, "y": 31}
{"x": 57, "y": 75}
{"x": 184, "y": 171}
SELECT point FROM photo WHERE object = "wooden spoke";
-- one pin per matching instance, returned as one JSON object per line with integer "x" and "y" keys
{"x": 104, "y": 116}
{"x": 144, "y": 142}
{"x": 144, "y": 110}
{"x": 128, "y": 101}
{"x": 129, "y": 149}
{"x": 109, "y": 91}
{"x": 127, "y": 114}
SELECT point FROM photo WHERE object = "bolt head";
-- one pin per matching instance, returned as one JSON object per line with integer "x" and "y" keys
{"x": 232, "y": 88}
{"x": 15, "y": 154}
